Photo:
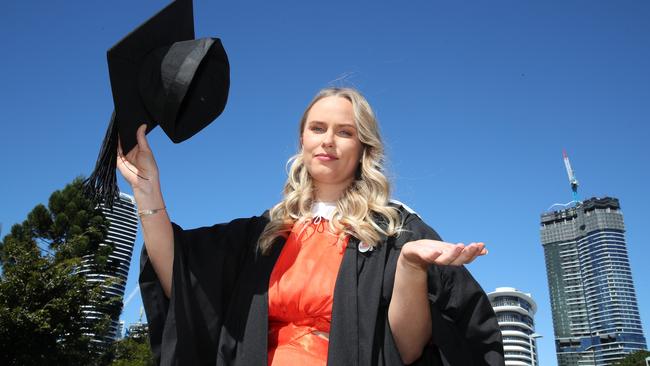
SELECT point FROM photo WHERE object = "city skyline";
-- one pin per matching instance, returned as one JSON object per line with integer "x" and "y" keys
{"x": 476, "y": 102}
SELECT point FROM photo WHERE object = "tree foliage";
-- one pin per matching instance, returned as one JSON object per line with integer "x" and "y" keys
{"x": 634, "y": 359}
{"x": 43, "y": 290}
{"x": 133, "y": 350}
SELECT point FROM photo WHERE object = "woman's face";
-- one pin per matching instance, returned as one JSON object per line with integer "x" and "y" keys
{"x": 331, "y": 149}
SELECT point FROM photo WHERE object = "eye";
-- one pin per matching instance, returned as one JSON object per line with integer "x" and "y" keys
{"x": 317, "y": 129}
{"x": 345, "y": 133}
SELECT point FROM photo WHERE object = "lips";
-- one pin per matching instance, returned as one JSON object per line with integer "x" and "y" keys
{"x": 325, "y": 157}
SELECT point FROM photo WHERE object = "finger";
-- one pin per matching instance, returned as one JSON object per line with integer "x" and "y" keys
{"x": 126, "y": 166}
{"x": 119, "y": 146}
{"x": 430, "y": 255}
{"x": 464, "y": 256}
{"x": 119, "y": 153}
{"x": 121, "y": 166}
{"x": 121, "y": 159}
{"x": 142, "y": 140}
{"x": 450, "y": 254}
{"x": 479, "y": 254}
{"x": 470, "y": 260}
{"x": 130, "y": 156}
{"x": 467, "y": 256}
{"x": 481, "y": 250}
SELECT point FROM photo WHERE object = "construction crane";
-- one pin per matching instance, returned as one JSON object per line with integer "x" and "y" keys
{"x": 572, "y": 176}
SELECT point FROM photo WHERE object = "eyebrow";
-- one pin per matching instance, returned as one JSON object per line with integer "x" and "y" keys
{"x": 337, "y": 124}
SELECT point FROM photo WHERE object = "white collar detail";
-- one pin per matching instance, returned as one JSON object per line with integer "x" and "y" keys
{"x": 324, "y": 210}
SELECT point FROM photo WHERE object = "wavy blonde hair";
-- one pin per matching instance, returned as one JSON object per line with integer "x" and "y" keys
{"x": 363, "y": 204}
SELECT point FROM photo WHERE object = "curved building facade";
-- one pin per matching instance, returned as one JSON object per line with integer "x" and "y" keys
{"x": 515, "y": 312}
{"x": 121, "y": 235}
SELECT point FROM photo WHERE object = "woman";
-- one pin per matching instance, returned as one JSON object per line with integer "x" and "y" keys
{"x": 334, "y": 274}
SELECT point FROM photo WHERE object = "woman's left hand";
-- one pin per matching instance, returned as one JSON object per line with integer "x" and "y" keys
{"x": 422, "y": 253}
{"x": 409, "y": 310}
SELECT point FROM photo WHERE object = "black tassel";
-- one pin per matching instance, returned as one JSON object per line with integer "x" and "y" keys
{"x": 101, "y": 186}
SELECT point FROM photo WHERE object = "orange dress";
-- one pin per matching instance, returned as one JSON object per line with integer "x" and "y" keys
{"x": 301, "y": 293}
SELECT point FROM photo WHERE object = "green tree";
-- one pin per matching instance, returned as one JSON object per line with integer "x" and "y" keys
{"x": 133, "y": 350}
{"x": 634, "y": 359}
{"x": 42, "y": 286}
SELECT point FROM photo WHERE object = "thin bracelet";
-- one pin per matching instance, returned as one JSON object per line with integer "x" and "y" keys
{"x": 150, "y": 212}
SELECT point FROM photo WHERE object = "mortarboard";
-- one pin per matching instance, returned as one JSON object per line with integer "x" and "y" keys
{"x": 160, "y": 75}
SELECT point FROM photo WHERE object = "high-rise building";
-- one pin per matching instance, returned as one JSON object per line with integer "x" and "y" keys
{"x": 138, "y": 330}
{"x": 121, "y": 235}
{"x": 515, "y": 312}
{"x": 595, "y": 313}
{"x": 120, "y": 330}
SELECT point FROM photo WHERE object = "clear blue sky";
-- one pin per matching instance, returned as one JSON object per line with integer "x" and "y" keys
{"x": 476, "y": 101}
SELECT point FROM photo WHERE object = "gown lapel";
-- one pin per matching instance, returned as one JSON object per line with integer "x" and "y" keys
{"x": 344, "y": 330}
{"x": 356, "y": 302}
{"x": 253, "y": 349}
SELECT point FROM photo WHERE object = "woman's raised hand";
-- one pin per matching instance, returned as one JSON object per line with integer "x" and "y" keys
{"x": 139, "y": 169}
{"x": 421, "y": 253}
{"x": 138, "y": 166}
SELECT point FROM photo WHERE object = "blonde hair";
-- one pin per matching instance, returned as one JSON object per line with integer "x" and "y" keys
{"x": 364, "y": 202}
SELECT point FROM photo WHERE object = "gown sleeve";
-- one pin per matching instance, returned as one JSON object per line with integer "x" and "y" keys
{"x": 185, "y": 328}
{"x": 465, "y": 330}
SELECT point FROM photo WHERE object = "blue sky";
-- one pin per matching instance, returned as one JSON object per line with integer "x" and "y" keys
{"x": 476, "y": 101}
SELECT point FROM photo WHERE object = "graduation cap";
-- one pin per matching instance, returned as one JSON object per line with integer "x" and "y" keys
{"x": 160, "y": 75}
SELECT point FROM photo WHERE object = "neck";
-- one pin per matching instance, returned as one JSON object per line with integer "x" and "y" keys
{"x": 325, "y": 192}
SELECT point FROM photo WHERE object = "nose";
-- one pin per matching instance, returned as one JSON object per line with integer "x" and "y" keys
{"x": 328, "y": 138}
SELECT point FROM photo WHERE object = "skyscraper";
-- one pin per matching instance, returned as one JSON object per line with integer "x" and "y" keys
{"x": 595, "y": 313}
{"x": 515, "y": 312}
{"x": 121, "y": 234}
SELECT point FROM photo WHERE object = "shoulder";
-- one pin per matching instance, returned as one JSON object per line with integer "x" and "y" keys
{"x": 403, "y": 207}
{"x": 239, "y": 227}
{"x": 408, "y": 216}
{"x": 413, "y": 226}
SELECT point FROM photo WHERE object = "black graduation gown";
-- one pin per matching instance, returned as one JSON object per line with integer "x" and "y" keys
{"x": 218, "y": 310}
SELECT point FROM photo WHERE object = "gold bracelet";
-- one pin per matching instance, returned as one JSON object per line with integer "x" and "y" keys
{"x": 150, "y": 212}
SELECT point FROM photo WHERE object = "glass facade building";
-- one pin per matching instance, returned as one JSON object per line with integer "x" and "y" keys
{"x": 595, "y": 313}
{"x": 515, "y": 311}
{"x": 122, "y": 231}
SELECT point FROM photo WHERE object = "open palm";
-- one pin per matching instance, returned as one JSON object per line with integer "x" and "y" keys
{"x": 421, "y": 253}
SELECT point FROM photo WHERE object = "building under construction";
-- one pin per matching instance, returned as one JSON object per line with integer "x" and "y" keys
{"x": 595, "y": 312}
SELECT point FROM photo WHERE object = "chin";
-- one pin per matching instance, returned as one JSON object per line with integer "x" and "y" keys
{"x": 323, "y": 178}
{"x": 329, "y": 179}
{"x": 326, "y": 175}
